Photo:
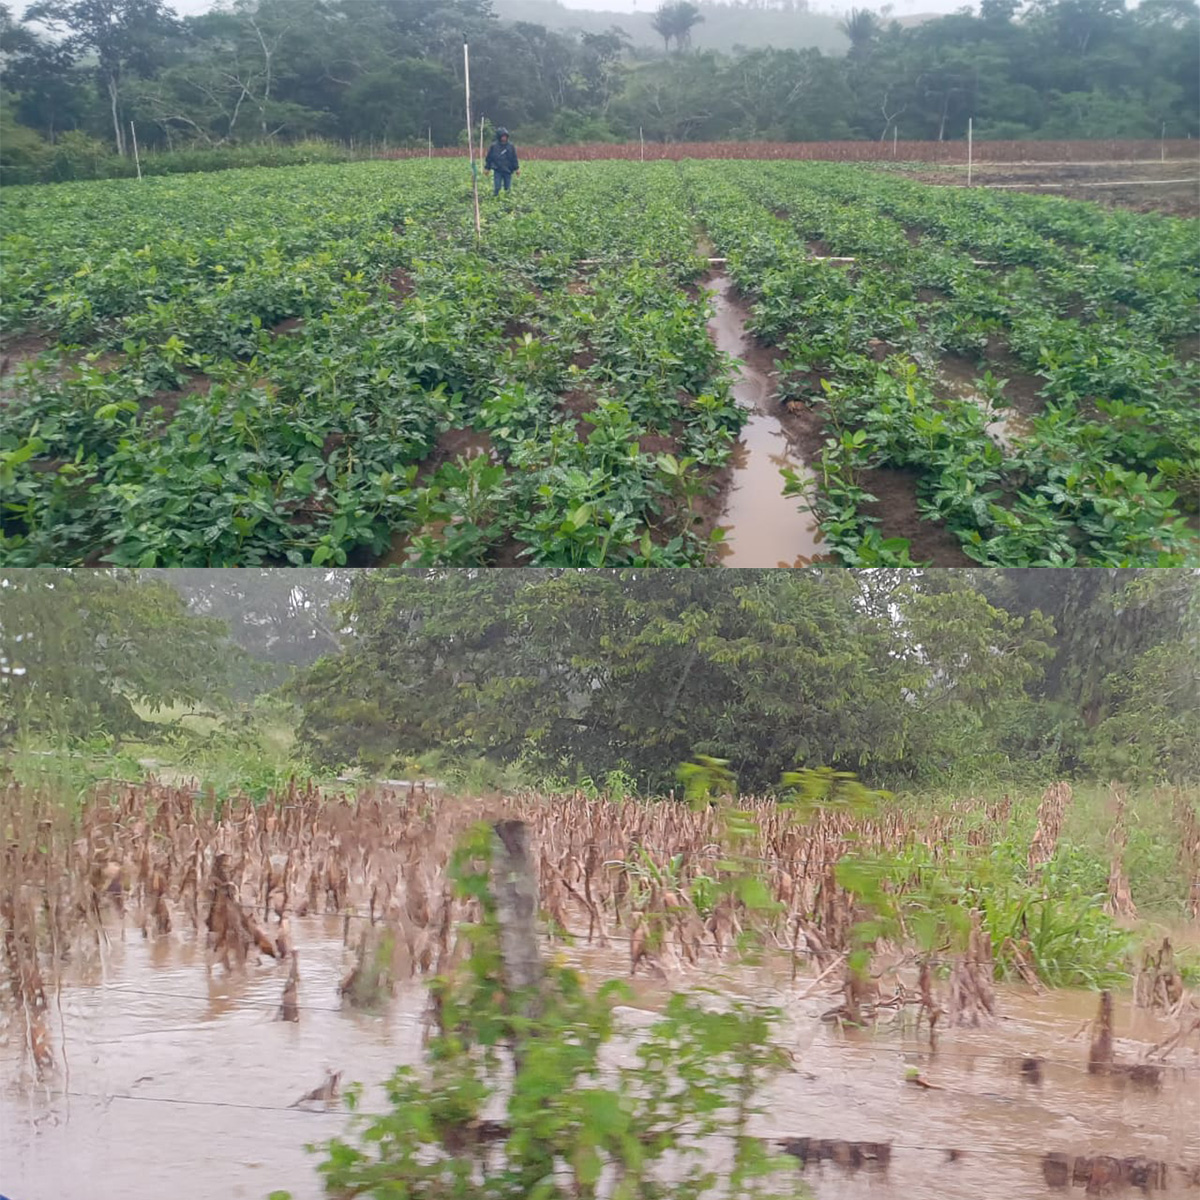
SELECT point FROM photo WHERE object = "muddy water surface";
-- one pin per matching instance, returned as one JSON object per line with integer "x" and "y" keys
{"x": 764, "y": 527}
{"x": 180, "y": 1083}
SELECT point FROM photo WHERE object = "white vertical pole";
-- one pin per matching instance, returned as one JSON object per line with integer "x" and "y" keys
{"x": 970, "y": 148}
{"x": 136, "y": 160}
{"x": 470, "y": 138}
{"x": 1162, "y": 145}
{"x": 642, "y": 139}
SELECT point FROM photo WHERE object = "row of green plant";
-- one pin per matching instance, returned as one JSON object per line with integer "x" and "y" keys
{"x": 1105, "y": 472}
{"x": 198, "y": 432}
{"x": 276, "y": 367}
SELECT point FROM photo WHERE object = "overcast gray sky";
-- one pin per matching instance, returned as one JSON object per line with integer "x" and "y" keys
{"x": 900, "y": 8}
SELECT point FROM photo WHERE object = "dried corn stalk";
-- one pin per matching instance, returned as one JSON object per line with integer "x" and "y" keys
{"x": 1120, "y": 902}
{"x": 1051, "y": 813}
{"x": 1158, "y": 983}
{"x": 1189, "y": 848}
{"x": 972, "y": 998}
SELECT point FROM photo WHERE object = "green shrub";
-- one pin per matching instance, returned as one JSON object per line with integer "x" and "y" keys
{"x": 77, "y": 156}
{"x": 24, "y": 157}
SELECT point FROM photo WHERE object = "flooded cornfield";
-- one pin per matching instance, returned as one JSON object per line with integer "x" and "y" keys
{"x": 185, "y": 1007}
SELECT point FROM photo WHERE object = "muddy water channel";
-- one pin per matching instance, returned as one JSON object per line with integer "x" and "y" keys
{"x": 764, "y": 527}
{"x": 181, "y": 1083}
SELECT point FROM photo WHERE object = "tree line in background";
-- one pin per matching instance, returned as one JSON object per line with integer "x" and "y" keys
{"x": 905, "y": 677}
{"x": 78, "y": 72}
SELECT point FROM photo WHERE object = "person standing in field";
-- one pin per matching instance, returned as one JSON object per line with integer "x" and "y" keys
{"x": 502, "y": 159}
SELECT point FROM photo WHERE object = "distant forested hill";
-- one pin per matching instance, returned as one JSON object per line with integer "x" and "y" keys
{"x": 724, "y": 25}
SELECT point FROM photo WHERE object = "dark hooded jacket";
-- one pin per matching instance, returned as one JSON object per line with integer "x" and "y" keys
{"x": 501, "y": 156}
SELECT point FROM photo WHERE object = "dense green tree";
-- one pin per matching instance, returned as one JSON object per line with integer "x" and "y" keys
{"x": 1108, "y": 625}
{"x": 593, "y": 669}
{"x": 599, "y": 66}
{"x": 404, "y": 100}
{"x": 43, "y": 92}
{"x": 79, "y": 648}
{"x": 862, "y": 27}
{"x": 391, "y": 70}
{"x": 675, "y": 21}
{"x": 126, "y": 36}
{"x": 282, "y": 616}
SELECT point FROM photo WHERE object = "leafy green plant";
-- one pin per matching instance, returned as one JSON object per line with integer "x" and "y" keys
{"x": 248, "y": 369}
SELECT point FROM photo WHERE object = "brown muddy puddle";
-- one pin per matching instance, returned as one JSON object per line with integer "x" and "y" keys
{"x": 764, "y": 528}
{"x": 181, "y": 1083}
{"x": 1006, "y": 426}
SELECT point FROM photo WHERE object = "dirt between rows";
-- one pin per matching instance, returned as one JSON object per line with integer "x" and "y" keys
{"x": 895, "y": 490}
{"x": 1077, "y": 181}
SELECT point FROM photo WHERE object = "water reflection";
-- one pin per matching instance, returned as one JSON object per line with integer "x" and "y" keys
{"x": 765, "y": 527}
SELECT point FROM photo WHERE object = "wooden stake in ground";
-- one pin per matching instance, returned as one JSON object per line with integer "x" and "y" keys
{"x": 1100, "y": 1053}
{"x": 515, "y": 888}
{"x": 470, "y": 141}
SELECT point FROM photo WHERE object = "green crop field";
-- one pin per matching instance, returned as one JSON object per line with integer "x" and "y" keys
{"x": 320, "y": 365}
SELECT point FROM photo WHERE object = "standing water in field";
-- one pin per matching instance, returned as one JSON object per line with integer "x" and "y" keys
{"x": 182, "y": 1082}
{"x": 764, "y": 528}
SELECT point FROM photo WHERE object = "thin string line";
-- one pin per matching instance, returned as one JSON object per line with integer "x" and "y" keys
{"x": 916, "y": 1146}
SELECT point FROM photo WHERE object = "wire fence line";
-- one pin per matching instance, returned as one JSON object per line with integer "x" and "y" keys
{"x": 779, "y": 1139}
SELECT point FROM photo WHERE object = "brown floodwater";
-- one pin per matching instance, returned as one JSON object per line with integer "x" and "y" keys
{"x": 180, "y": 1083}
{"x": 764, "y": 527}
